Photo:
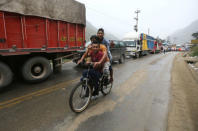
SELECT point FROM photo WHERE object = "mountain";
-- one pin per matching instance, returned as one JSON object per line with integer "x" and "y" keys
{"x": 92, "y": 30}
{"x": 184, "y": 35}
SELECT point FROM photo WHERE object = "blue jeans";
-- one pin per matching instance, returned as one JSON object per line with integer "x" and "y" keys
{"x": 94, "y": 75}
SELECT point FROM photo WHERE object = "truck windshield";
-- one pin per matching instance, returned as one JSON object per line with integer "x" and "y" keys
{"x": 130, "y": 43}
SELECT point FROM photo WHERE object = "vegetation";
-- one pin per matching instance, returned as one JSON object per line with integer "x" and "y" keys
{"x": 194, "y": 49}
{"x": 195, "y": 35}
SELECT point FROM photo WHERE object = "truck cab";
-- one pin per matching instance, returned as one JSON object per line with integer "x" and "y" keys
{"x": 132, "y": 48}
{"x": 133, "y": 45}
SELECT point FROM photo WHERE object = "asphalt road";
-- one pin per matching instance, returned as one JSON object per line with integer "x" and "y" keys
{"x": 138, "y": 101}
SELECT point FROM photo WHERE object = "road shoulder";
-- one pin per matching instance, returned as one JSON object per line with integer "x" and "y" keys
{"x": 183, "y": 107}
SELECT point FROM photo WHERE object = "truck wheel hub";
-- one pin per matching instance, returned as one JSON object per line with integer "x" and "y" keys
{"x": 37, "y": 69}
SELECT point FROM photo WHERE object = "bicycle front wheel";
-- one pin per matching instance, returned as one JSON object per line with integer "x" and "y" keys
{"x": 80, "y": 97}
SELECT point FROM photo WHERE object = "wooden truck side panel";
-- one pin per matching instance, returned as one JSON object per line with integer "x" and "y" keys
{"x": 21, "y": 34}
{"x": 2, "y": 32}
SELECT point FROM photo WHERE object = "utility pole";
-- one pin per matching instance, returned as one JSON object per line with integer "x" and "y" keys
{"x": 136, "y": 18}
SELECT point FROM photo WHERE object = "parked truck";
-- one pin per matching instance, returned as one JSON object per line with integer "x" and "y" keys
{"x": 138, "y": 44}
{"x": 36, "y": 35}
{"x": 132, "y": 43}
{"x": 157, "y": 46}
{"x": 148, "y": 43}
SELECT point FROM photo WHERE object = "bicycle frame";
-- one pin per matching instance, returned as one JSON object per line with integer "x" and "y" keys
{"x": 86, "y": 80}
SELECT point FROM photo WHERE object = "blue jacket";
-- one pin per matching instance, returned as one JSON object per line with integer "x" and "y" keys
{"x": 106, "y": 43}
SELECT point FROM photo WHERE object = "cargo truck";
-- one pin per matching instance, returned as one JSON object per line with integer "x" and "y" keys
{"x": 36, "y": 35}
{"x": 157, "y": 46}
{"x": 148, "y": 43}
{"x": 132, "y": 43}
{"x": 138, "y": 44}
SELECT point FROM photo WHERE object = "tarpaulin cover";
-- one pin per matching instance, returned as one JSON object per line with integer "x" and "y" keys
{"x": 65, "y": 10}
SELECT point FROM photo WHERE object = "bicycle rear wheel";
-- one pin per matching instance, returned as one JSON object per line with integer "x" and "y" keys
{"x": 80, "y": 97}
{"x": 107, "y": 85}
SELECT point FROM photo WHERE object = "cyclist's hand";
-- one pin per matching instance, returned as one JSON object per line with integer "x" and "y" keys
{"x": 88, "y": 63}
{"x": 79, "y": 61}
{"x": 89, "y": 47}
{"x": 96, "y": 64}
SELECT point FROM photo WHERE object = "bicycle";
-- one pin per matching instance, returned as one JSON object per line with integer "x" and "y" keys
{"x": 84, "y": 90}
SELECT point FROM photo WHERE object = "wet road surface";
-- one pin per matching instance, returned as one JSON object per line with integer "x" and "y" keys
{"x": 138, "y": 101}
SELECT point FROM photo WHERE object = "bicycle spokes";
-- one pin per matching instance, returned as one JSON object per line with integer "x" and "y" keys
{"x": 80, "y": 97}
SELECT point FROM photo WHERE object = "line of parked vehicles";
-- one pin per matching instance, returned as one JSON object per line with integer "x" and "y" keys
{"x": 133, "y": 45}
{"x": 174, "y": 47}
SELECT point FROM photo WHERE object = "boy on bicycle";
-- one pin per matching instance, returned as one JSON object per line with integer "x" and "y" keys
{"x": 96, "y": 55}
{"x": 101, "y": 48}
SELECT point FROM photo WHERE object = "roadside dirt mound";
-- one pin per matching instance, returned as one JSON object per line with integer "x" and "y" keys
{"x": 196, "y": 64}
{"x": 191, "y": 59}
{"x": 183, "y": 109}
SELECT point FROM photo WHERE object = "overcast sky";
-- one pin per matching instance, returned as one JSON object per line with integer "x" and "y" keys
{"x": 162, "y": 17}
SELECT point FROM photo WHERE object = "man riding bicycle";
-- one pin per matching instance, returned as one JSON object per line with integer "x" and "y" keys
{"x": 94, "y": 78}
{"x": 101, "y": 47}
{"x": 98, "y": 58}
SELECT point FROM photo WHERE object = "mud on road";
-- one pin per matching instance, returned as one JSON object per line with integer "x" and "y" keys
{"x": 183, "y": 109}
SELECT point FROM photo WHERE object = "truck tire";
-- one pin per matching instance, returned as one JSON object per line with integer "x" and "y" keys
{"x": 137, "y": 55}
{"x": 6, "y": 75}
{"x": 36, "y": 69}
{"x": 122, "y": 59}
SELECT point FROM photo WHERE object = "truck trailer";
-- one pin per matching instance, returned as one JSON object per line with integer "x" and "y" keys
{"x": 148, "y": 43}
{"x": 35, "y": 36}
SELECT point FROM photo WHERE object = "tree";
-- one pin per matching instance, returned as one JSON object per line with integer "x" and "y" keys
{"x": 195, "y": 35}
